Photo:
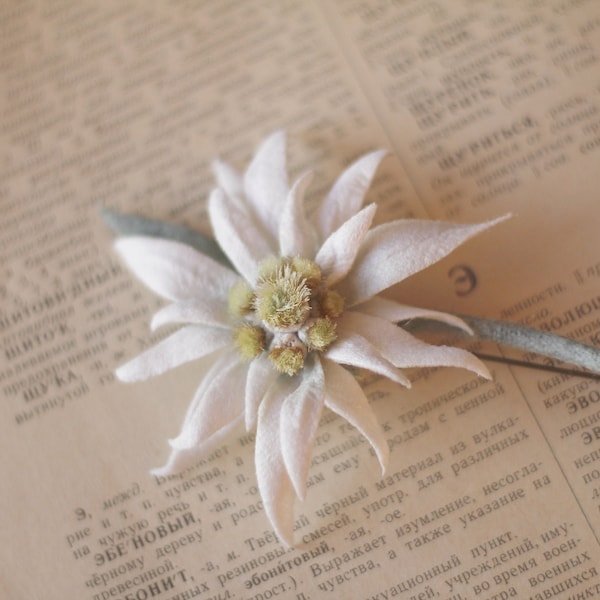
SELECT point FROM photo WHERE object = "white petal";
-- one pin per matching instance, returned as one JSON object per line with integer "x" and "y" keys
{"x": 186, "y": 344}
{"x": 296, "y": 237}
{"x": 396, "y": 250}
{"x": 394, "y": 312}
{"x": 199, "y": 311}
{"x": 243, "y": 242}
{"x": 261, "y": 376}
{"x": 215, "y": 363}
{"x": 182, "y": 459}
{"x": 348, "y": 193}
{"x": 229, "y": 180}
{"x": 344, "y": 396}
{"x": 273, "y": 480}
{"x": 404, "y": 350}
{"x": 300, "y": 417}
{"x": 174, "y": 270}
{"x": 266, "y": 184}
{"x": 353, "y": 349}
{"x": 336, "y": 255}
{"x": 218, "y": 401}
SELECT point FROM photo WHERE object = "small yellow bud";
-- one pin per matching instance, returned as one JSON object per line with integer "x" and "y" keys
{"x": 321, "y": 334}
{"x": 309, "y": 270}
{"x": 332, "y": 304}
{"x": 250, "y": 340}
{"x": 270, "y": 267}
{"x": 288, "y": 360}
{"x": 241, "y": 299}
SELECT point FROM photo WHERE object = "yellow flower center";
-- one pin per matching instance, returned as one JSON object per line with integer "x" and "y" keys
{"x": 288, "y": 314}
{"x": 283, "y": 299}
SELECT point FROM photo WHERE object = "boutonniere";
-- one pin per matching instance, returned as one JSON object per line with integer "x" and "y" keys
{"x": 282, "y": 306}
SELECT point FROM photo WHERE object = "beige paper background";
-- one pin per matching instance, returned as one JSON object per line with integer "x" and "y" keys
{"x": 125, "y": 104}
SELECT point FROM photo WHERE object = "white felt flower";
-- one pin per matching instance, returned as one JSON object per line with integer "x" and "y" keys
{"x": 301, "y": 304}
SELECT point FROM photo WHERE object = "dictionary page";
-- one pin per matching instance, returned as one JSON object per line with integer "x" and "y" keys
{"x": 492, "y": 487}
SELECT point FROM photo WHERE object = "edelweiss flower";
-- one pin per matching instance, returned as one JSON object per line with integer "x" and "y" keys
{"x": 301, "y": 302}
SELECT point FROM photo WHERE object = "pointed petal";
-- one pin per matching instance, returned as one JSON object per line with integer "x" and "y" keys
{"x": 186, "y": 344}
{"x": 295, "y": 234}
{"x": 215, "y": 363}
{"x": 244, "y": 244}
{"x": 273, "y": 480}
{"x": 217, "y": 402}
{"x": 299, "y": 421}
{"x": 199, "y": 311}
{"x": 266, "y": 184}
{"x": 404, "y": 350}
{"x": 173, "y": 270}
{"x": 344, "y": 396}
{"x": 394, "y": 312}
{"x": 353, "y": 349}
{"x": 347, "y": 194}
{"x": 261, "y": 376}
{"x": 396, "y": 250}
{"x": 229, "y": 180}
{"x": 336, "y": 255}
{"x": 182, "y": 459}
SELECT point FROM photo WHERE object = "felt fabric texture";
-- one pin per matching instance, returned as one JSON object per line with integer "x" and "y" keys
{"x": 255, "y": 216}
{"x": 394, "y": 251}
{"x": 124, "y": 224}
{"x": 540, "y": 342}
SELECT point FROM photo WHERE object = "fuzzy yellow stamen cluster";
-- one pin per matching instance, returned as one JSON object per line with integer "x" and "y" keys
{"x": 287, "y": 360}
{"x": 283, "y": 299}
{"x": 308, "y": 270}
{"x": 289, "y": 313}
{"x": 250, "y": 340}
{"x": 331, "y": 303}
{"x": 270, "y": 266}
{"x": 241, "y": 299}
{"x": 321, "y": 334}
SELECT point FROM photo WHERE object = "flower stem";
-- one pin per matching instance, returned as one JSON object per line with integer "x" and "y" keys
{"x": 541, "y": 342}
{"x": 528, "y": 364}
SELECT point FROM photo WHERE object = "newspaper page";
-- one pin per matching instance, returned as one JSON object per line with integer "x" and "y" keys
{"x": 493, "y": 488}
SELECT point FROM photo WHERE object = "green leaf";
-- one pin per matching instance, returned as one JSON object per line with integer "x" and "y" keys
{"x": 124, "y": 224}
